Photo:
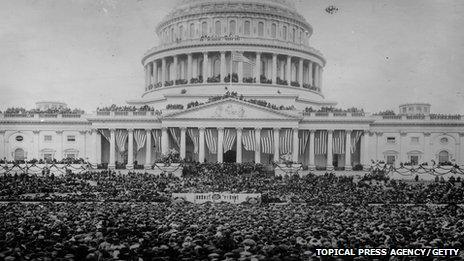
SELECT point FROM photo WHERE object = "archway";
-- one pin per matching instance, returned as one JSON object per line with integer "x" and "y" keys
{"x": 443, "y": 156}
{"x": 19, "y": 154}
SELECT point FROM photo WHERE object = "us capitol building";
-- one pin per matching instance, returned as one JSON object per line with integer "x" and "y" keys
{"x": 235, "y": 81}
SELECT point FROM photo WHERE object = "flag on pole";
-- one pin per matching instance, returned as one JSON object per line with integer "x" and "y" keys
{"x": 239, "y": 57}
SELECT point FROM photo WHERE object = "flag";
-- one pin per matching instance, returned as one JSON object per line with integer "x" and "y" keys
{"x": 355, "y": 136}
{"x": 320, "y": 143}
{"x": 267, "y": 141}
{"x": 303, "y": 141}
{"x": 229, "y": 139}
{"x": 338, "y": 145}
{"x": 239, "y": 57}
{"x": 175, "y": 134}
{"x": 248, "y": 139}
{"x": 121, "y": 140}
{"x": 105, "y": 134}
{"x": 140, "y": 138}
{"x": 195, "y": 137}
{"x": 157, "y": 138}
{"x": 286, "y": 141}
{"x": 211, "y": 140}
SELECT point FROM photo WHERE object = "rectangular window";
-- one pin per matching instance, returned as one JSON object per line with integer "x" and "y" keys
{"x": 204, "y": 28}
{"x": 273, "y": 30}
{"x": 71, "y": 138}
{"x": 391, "y": 159}
{"x": 247, "y": 28}
{"x": 414, "y": 140}
{"x": 47, "y": 137}
{"x": 284, "y": 33}
{"x": 260, "y": 29}
{"x": 391, "y": 140}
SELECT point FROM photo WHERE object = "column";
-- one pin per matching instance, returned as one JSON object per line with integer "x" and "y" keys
{"x": 155, "y": 72}
{"x": 276, "y": 145}
{"x": 36, "y": 152}
{"x": 175, "y": 64}
{"x": 289, "y": 70}
{"x": 189, "y": 66}
{"x": 147, "y": 81}
{"x": 220, "y": 144}
{"x": 329, "y": 149}
{"x": 365, "y": 161}
{"x": 310, "y": 75}
{"x": 148, "y": 149}
{"x": 163, "y": 71}
{"x": 296, "y": 144}
{"x": 130, "y": 149}
{"x": 320, "y": 77}
{"x": 258, "y": 145}
{"x": 2, "y": 144}
{"x": 239, "y": 145}
{"x": 300, "y": 72}
{"x": 112, "y": 162}
{"x": 164, "y": 141}
{"x": 274, "y": 68}
{"x": 312, "y": 139}
{"x": 97, "y": 147}
{"x": 183, "y": 131}
{"x": 403, "y": 147}
{"x": 205, "y": 67}
{"x": 201, "y": 151}
{"x": 460, "y": 160}
{"x": 258, "y": 67}
{"x": 348, "y": 150}
{"x": 223, "y": 66}
{"x": 59, "y": 153}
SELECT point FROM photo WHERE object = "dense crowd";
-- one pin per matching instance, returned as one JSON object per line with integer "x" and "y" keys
{"x": 61, "y": 110}
{"x": 182, "y": 231}
{"x": 44, "y": 161}
{"x": 233, "y": 178}
{"x": 115, "y": 107}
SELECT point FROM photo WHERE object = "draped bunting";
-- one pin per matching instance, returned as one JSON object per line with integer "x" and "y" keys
{"x": 320, "y": 143}
{"x": 121, "y": 140}
{"x": 355, "y": 136}
{"x": 195, "y": 137}
{"x": 157, "y": 137}
{"x": 339, "y": 139}
{"x": 248, "y": 139}
{"x": 175, "y": 134}
{"x": 286, "y": 141}
{"x": 229, "y": 139}
{"x": 211, "y": 140}
{"x": 303, "y": 137}
{"x": 267, "y": 141}
{"x": 105, "y": 134}
{"x": 140, "y": 137}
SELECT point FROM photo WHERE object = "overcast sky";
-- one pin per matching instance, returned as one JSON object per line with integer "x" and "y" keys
{"x": 87, "y": 53}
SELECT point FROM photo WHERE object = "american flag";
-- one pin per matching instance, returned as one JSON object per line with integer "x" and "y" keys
{"x": 267, "y": 141}
{"x": 211, "y": 140}
{"x": 140, "y": 137}
{"x": 303, "y": 137}
{"x": 320, "y": 143}
{"x": 286, "y": 141}
{"x": 105, "y": 134}
{"x": 355, "y": 136}
{"x": 121, "y": 140}
{"x": 248, "y": 139}
{"x": 339, "y": 139}
{"x": 239, "y": 57}
{"x": 229, "y": 139}
{"x": 157, "y": 137}
{"x": 175, "y": 134}
{"x": 195, "y": 137}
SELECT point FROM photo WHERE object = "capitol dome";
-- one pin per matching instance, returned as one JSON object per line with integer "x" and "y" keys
{"x": 259, "y": 49}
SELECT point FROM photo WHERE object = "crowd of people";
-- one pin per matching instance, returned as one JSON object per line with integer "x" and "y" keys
{"x": 107, "y": 215}
{"x": 60, "y": 110}
{"x": 115, "y": 107}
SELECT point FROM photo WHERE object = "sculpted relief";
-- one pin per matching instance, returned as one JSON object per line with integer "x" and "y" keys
{"x": 229, "y": 111}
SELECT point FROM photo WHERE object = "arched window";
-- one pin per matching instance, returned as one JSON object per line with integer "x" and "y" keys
{"x": 217, "y": 28}
{"x": 300, "y": 39}
{"x": 19, "y": 154}
{"x": 181, "y": 32}
{"x": 260, "y": 29}
{"x": 247, "y": 28}
{"x": 263, "y": 68}
{"x": 274, "y": 30}
{"x": 172, "y": 34}
{"x": 284, "y": 33}
{"x": 293, "y": 35}
{"x": 204, "y": 28}
{"x": 192, "y": 30}
{"x": 443, "y": 156}
{"x": 217, "y": 67}
{"x": 232, "y": 27}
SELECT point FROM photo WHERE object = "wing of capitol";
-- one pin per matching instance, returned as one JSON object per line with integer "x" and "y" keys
{"x": 233, "y": 81}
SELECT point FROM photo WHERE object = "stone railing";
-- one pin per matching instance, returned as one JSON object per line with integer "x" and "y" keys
{"x": 241, "y": 40}
{"x": 420, "y": 117}
{"x": 334, "y": 114}
{"x": 127, "y": 113}
{"x": 40, "y": 115}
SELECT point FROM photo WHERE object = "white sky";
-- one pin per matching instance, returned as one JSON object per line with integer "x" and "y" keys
{"x": 380, "y": 53}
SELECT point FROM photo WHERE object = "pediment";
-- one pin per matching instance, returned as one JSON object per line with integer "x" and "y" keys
{"x": 231, "y": 109}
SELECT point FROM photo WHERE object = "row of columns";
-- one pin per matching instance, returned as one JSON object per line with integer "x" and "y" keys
{"x": 152, "y": 77}
{"x": 220, "y": 148}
